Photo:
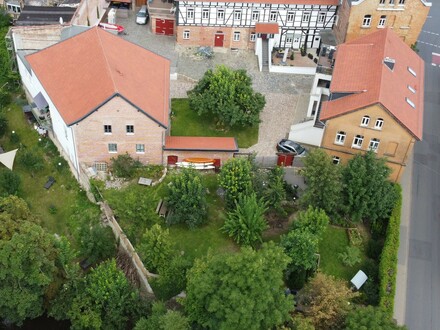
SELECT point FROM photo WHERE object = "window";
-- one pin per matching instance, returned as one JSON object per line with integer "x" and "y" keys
{"x": 205, "y": 13}
{"x": 190, "y": 13}
{"x": 236, "y": 36}
{"x": 379, "y": 123}
{"x": 340, "y": 137}
{"x": 221, "y": 14}
{"x": 401, "y": 2}
{"x": 255, "y": 15}
{"x": 381, "y": 2}
{"x": 365, "y": 121}
{"x": 357, "y": 141}
{"x": 321, "y": 18}
{"x": 289, "y": 38}
{"x": 112, "y": 147}
{"x": 411, "y": 103}
{"x": 411, "y": 70}
{"x": 290, "y": 16}
{"x": 129, "y": 129}
{"x": 100, "y": 166}
{"x": 367, "y": 21}
{"x": 374, "y": 144}
{"x": 140, "y": 148}
{"x": 382, "y": 20}
{"x": 411, "y": 89}
{"x": 237, "y": 15}
{"x": 273, "y": 16}
{"x": 186, "y": 34}
{"x": 108, "y": 129}
{"x": 306, "y": 17}
{"x": 336, "y": 160}
{"x": 391, "y": 2}
{"x": 252, "y": 38}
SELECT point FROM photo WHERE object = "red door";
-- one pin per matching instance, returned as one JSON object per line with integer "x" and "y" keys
{"x": 218, "y": 41}
{"x": 165, "y": 26}
{"x": 285, "y": 160}
{"x": 172, "y": 160}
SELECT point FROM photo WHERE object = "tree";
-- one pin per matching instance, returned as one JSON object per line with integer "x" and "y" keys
{"x": 227, "y": 95}
{"x": 172, "y": 279}
{"x": 239, "y": 291}
{"x": 106, "y": 300}
{"x": 187, "y": 199}
{"x": 313, "y": 220}
{"x": 163, "y": 319}
{"x": 10, "y": 182}
{"x": 3, "y": 119}
{"x": 275, "y": 193}
{"x": 366, "y": 318}
{"x": 97, "y": 242}
{"x": 246, "y": 223}
{"x": 14, "y": 211}
{"x": 367, "y": 192}
{"x": 31, "y": 160}
{"x": 27, "y": 269}
{"x": 301, "y": 247}
{"x": 124, "y": 166}
{"x": 300, "y": 322}
{"x": 236, "y": 178}
{"x": 156, "y": 247}
{"x": 326, "y": 301}
{"x": 323, "y": 182}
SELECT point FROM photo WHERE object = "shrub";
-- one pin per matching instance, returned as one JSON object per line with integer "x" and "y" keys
{"x": 292, "y": 56}
{"x": 172, "y": 279}
{"x": 315, "y": 60}
{"x": 124, "y": 166}
{"x": 236, "y": 178}
{"x": 388, "y": 258}
{"x": 3, "y": 124}
{"x": 31, "y": 160}
{"x": 309, "y": 55}
{"x": 354, "y": 237}
{"x": 374, "y": 249}
{"x": 351, "y": 256}
{"x": 9, "y": 182}
{"x": 312, "y": 220}
{"x": 156, "y": 248}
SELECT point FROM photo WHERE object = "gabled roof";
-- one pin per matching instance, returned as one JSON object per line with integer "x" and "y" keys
{"x": 361, "y": 69}
{"x": 282, "y": 2}
{"x": 85, "y": 71}
{"x": 201, "y": 143}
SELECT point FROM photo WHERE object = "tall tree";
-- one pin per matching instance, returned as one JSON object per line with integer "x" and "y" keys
{"x": 275, "y": 193}
{"x": 239, "y": 291}
{"x": 323, "y": 182}
{"x": 10, "y": 182}
{"x": 314, "y": 221}
{"x": 187, "y": 198}
{"x": 366, "y": 318}
{"x": 246, "y": 223}
{"x": 13, "y": 212}
{"x": 27, "y": 269}
{"x": 236, "y": 178}
{"x": 227, "y": 95}
{"x": 156, "y": 247}
{"x": 301, "y": 247}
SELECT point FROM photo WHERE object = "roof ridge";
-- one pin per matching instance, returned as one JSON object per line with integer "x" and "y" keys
{"x": 107, "y": 64}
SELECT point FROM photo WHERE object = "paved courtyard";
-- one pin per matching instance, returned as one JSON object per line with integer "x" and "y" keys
{"x": 286, "y": 94}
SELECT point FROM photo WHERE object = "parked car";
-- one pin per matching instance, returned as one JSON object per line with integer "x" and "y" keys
{"x": 142, "y": 15}
{"x": 291, "y": 147}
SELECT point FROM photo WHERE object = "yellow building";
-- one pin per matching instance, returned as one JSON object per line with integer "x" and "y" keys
{"x": 376, "y": 100}
{"x": 405, "y": 17}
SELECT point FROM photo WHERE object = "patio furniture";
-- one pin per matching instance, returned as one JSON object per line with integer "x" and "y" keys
{"x": 50, "y": 182}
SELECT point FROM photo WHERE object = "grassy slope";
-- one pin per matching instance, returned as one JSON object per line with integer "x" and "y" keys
{"x": 186, "y": 122}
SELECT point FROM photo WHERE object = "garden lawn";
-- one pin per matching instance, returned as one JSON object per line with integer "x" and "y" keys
{"x": 53, "y": 206}
{"x": 186, "y": 122}
{"x": 334, "y": 241}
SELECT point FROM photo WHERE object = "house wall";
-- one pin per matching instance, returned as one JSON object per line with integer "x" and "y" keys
{"x": 406, "y": 20}
{"x": 92, "y": 142}
{"x": 396, "y": 143}
{"x": 341, "y": 24}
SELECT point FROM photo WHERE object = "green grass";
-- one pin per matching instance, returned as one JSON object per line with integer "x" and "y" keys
{"x": 64, "y": 195}
{"x": 186, "y": 122}
{"x": 334, "y": 241}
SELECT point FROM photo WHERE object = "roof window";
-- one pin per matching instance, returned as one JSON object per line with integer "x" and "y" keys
{"x": 411, "y": 103}
{"x": 411, "y": 70}
{"x": 412, "y": 89}
{"x": 389, "y": 62}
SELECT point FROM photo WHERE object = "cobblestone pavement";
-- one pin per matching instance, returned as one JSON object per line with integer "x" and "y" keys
{"x": 283, "y": 92}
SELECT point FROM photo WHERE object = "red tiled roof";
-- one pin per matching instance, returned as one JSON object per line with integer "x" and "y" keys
{"x": 285, "y": 2}
{"x": 271, "y": 28}
{"x": 83, "y": 72}
{"x": 360, "y": 69}
{"x": 201, "y": 143}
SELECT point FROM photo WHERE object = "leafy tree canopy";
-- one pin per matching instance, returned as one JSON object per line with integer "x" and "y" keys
{"x": 10, "y": 182}
{"x": 239, "y": 291}
{"x": 228, "y": 95}
{"x": 156, "y": 247}
{"x": 366, "y": 318}
{"x": 236, "y": 178}
{"x": 13, "y": 212}
{"x": 163, "y": 319}
{"x": 301, "y": 247}
{"x": 313, "y": 220}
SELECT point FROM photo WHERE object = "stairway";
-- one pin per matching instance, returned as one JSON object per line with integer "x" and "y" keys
{"x": 265, "y": 55}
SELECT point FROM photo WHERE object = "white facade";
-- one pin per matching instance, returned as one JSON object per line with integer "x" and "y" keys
{"x": 298, "y": 24}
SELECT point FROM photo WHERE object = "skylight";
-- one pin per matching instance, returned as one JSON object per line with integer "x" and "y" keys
{"x": 411, "y": 103}
{"x": 411, "y": 89}
{"x": 389, "y": 62}
{"x": 411, "y": 70}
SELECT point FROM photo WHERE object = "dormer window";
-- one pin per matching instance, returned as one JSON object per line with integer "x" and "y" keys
{"x": 365, "y": 121}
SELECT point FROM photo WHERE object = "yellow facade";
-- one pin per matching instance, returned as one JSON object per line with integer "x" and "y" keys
{"x": 406, "y": 19}
{"x": 395, "y": 142}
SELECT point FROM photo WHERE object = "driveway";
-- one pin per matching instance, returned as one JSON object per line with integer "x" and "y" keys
{"x": 286, "y": 94}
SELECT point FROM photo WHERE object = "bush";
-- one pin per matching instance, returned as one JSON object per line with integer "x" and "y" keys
{"x": 31, "y": 160}
{"x": 156, "y": 248}
{"x": 3, "y": 124}
{"x": 354, "y": 237}
{"x": 351, "y": 256}
{"x": 9, "y": 182}
{"x": 172, "y": 279}
{"x": 124, "y": 166}
{"x": 374, "y": 249}
{"x": 309, "y": 55}
{"x": 315, "y": 60}
{"x": 388, "y": 258}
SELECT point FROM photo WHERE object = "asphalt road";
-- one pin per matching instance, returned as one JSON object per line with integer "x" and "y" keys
{"x": 423, "y": 267}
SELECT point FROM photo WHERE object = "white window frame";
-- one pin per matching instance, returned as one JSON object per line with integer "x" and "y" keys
{"x": 255, "y": 15}
{"x": 113, "y": 148}
{"x": 186, "y": 34}
{"x": 367, "y": 21}
{"x": 273, "y": 16}
{"x": 205, "y": 13}
{"x": 382, "y": 21}
{"x": 140, "y": 148}
{"x": 236, "y": 36}
{"x": 336, "y": 160}
{"x": 365, "y": 121}
{"x": 237, "y": 15}
{"x": 129, "y": 129}
{"x": 401, "y": 2}
{"x": 357, "y": 141}
{"x": 221, "y": 14}
{"x": 340, "y": 137}
{"x": 381, "y": 2}
{"x": 253, "y": 37}
{"x": 391, "y": 2}
{"x": 321, "y": 17}
{"x": 305, "y": 17}
{"x": 290, "y": 16}
{"x": 190, "y": 13}
{"x": 374, "y": 144}
{"x": 379, "y": 123}
{"x": 108, "y": 129}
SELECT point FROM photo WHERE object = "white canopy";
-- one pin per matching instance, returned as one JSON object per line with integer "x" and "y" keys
{"x": 359, "y": 279}
{"x": 7, "y": 158}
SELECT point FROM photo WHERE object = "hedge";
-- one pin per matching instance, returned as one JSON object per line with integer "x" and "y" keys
{"x": 388, "y": 258}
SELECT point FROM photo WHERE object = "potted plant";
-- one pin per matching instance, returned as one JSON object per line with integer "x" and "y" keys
{"x": 303, "y": 50}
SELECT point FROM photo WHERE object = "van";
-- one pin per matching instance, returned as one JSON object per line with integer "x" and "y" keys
{"x": 142, "y": 15}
